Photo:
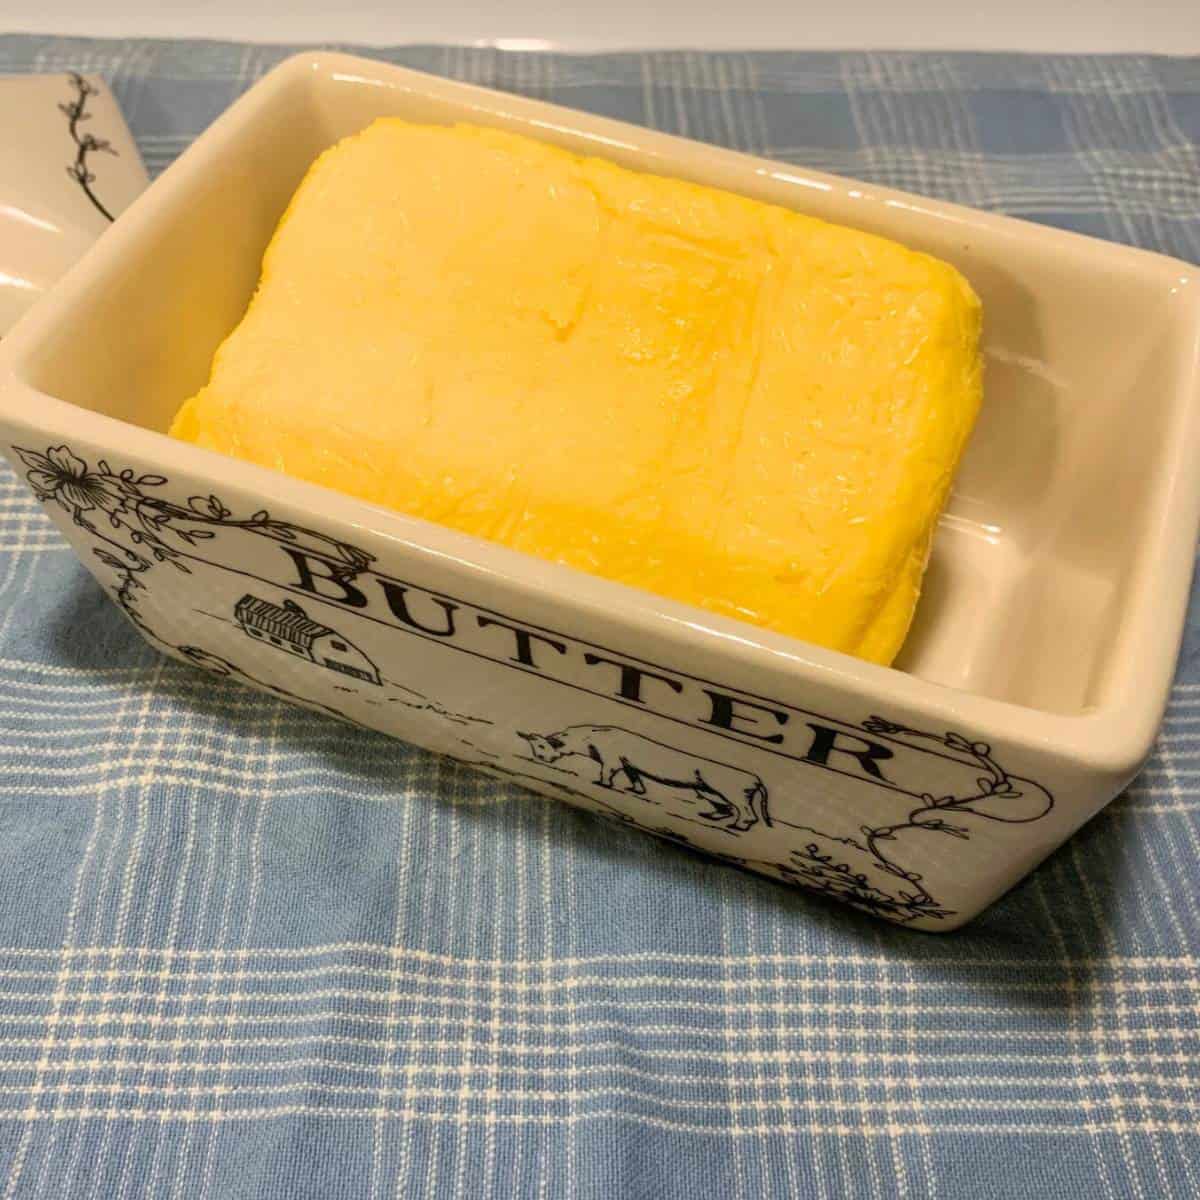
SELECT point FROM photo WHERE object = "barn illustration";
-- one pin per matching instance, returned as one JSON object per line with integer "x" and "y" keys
{"x": 289, "y": 628}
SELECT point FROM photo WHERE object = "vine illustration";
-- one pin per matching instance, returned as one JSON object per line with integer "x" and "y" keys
{"x": 86, "y": 144}
{"x": 823, "y": 871}
{"x": 113, "y": 505}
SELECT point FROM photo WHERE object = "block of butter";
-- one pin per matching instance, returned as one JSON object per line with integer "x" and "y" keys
{"x": 708, "y": 397}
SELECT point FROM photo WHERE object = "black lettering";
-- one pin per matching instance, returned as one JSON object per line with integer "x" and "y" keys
{"x": 828, "y": 741}
{"x": 397, "y": 598}
{"x": 631, "y": 677}
{"x": 525, "y": 640}
{"x": 727, "y": 709}
{"x": 313, "y": 571}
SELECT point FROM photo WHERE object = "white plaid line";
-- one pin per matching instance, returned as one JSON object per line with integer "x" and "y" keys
{"x": 732, "y": 113}
{"x": 197, "y": 782}
{"x": 733, "y": 1101}
{"x": 911, "y": 1063}
{"x": 877, "y": 1152}
{"x": 1102, "y": 930}
{"x": 36, "y": 539}
{"x": 966, "y": 141}
{"x": 833, "y": 1054}
{"x": 1157, "y": 809}
{"x": 791, "y": 1154}
{"x": 391, "y": 1044}
{"x": 575, "y": 961}
{"x": 891, "y": 1105}
{"x": 247, "y": 912}
{"x": 1181, "y": 1090}
{"x": 208, "y": 872}
{"x": 18, "y": 738}
{"x": 864, "y": 1132}
{"x": 762, "y": 139}
{"x": 734, "y": 128}
{"x": 180, "y": 683}
{"x": 214, "y": 743}
{"x": 1135, "y": 962}
{"x": 167, "y": 956}
{"x": 901, "y": 1120}
{"x": 244, "y": 795}
{"x": 80, "y": 718}
{"x": 238, "y": 773}
{"x": 91, "y": 672}
{"x": 649, "y": 114}
{"x": 671, "y": 73}
{"x": 524, "y": 919}
{"x": 501, "y": 903}
{"x": 545, "y": 867}
{"x": 439, "y": 1002}
{"x": 700, "y": 113}
{"x": 838, "y": 1073}
{"x": 669, "y": 984}
{"x": 1098, "y": 1055}
{"x": 469, "y": 1044}
{"x": 195, "y": 747}
{"x": 758, "y": 1083}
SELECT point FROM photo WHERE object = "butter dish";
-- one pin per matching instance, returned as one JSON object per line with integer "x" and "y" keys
{"x": 1031, "y": 686}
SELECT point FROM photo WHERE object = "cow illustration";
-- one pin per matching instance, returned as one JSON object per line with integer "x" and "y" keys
{"x": 738, "y": 798}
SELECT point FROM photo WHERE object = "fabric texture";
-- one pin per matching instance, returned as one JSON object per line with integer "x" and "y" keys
{"x": 248, "y": 952}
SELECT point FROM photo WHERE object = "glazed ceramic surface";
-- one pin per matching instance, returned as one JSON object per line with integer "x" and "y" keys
{"x": 1032, "y": 684}
{"x": 68, "y": 167}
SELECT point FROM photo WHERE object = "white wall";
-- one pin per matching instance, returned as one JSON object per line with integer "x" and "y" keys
{"x": 1166, "y": 26}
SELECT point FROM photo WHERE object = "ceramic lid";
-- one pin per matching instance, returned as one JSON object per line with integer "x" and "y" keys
{"x": 68, "y": 168}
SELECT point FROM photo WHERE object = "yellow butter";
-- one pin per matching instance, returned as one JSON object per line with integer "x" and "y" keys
{"x": 711, "y": 398}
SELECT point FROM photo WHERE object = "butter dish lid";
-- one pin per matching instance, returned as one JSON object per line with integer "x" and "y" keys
{"x": 68, "y": 168}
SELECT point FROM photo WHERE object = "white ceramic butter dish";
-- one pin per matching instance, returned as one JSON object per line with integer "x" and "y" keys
{"x": 1032, "y": 684}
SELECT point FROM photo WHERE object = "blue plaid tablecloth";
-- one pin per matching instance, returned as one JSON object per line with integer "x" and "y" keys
{"x": 248, "y": 952}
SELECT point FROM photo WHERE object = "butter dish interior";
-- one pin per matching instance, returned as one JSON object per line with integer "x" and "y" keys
{"x": 722, "y": 402}
{"x": 1036, "y": 554}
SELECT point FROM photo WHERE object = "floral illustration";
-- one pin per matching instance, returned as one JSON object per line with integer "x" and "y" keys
{"x": 60, "y": 475}
{"x": 109, "y": 503}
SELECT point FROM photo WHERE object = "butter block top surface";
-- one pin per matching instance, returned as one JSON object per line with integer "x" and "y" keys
{"x": 675, "y": 387}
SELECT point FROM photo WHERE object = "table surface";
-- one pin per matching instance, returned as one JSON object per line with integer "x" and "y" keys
{"x": 1111, "y": 26}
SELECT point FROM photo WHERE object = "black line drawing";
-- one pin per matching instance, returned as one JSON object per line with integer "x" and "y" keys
{"x": 738, "y": 798}
{"x": 290, "y": 629}
{"x": 119, "y": 501}
{"x": 860, "y": 872}
{"x": 865, "y": 871}
{"x": 86, "y": 144}
{"x": 216, "y": 665}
